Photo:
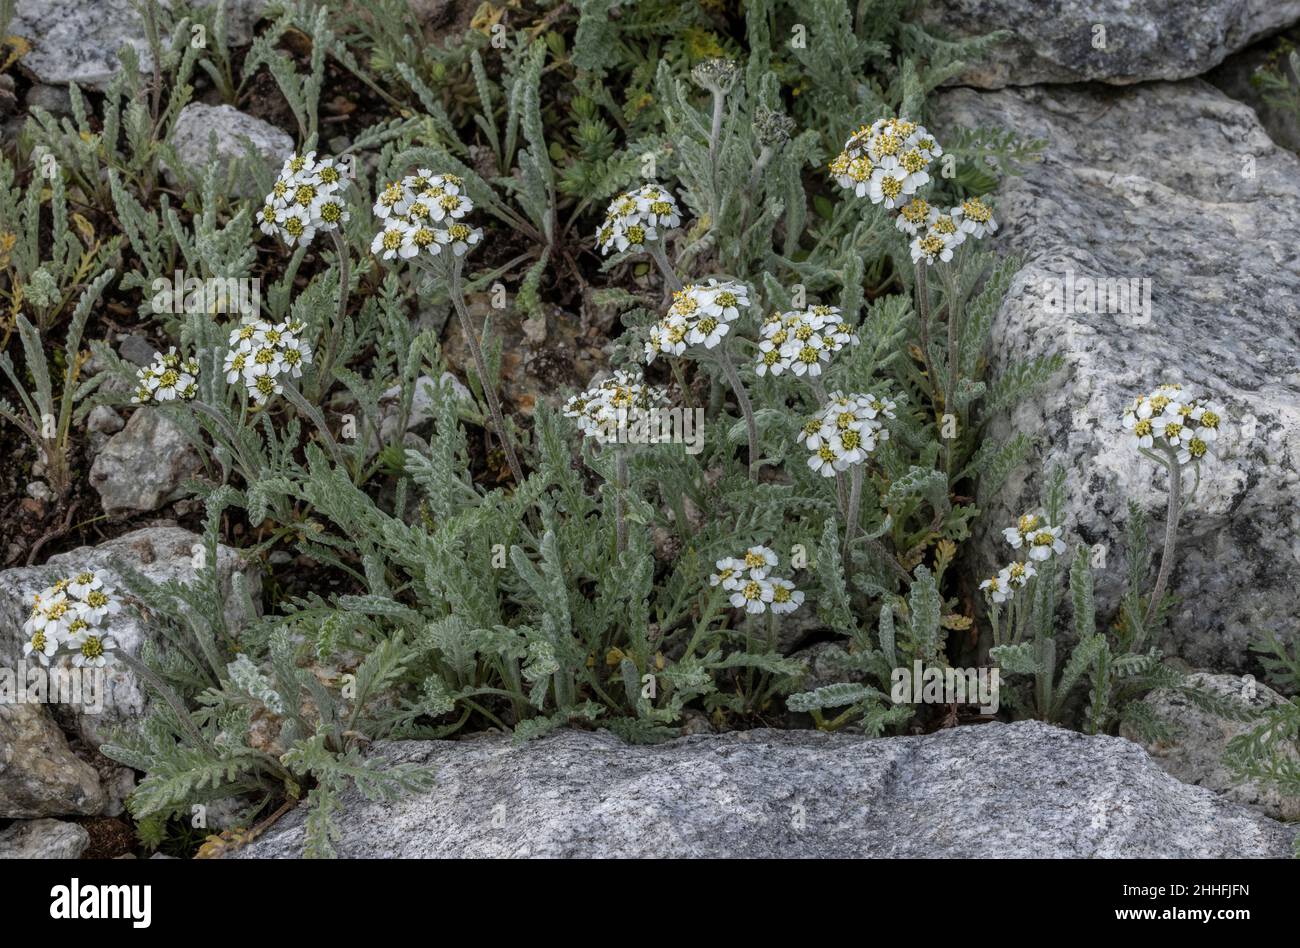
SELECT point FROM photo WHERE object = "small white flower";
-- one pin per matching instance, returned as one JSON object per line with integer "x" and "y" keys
{"x": 785, "y": 598}
{"x": 997, "y": 588}
{"x": 93, "y": 650}
{"x": 930, "y": 247}
{"x": 770, "y": 359}
{"x": 42, "y": 645}
{"x": 730, "y": 573}
{"x": 1018, "y": 574}
{"x": 389, "y": 241}
{"x": 1045, "y": 543}
{"x": 758, "y": 560}
{"x": 99, "y": 604}
{"x": 890, "y": 184}
{"x": 1019, "y": 535}
{"x": 753, "y": 595}
{"x": 83, "y": 583}
{"x": 461, "y": 238}
{"x": 977, "y": 218}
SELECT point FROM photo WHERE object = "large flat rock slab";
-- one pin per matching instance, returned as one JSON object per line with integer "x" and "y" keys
{"x": 1178, "y": 185}
{"x": 79, "y": 40}
{"x": 1115, "y": 41}
{"x": 997, "y": 790}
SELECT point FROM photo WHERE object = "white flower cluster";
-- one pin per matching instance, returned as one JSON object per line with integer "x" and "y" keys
{"x": 887, "y": 162}
{"x": 846, "y": 431}
{"x": 167, "y": 378}
{"x": 1168, "y": 416}
{"x": 700, "y": 315}
{"x": 936, "y": 234}
{"x": 422, "y": 214}
{"x": 1039, "y": 538}
{"x": 638, "y": 217}
{"x": 615, "y": 403}
{"x": 306, "y": 198}
{"x": 801, "y": 341}
{"x": 261, "y": 354}
{"x": 752, "y": 587}
{"x": 1001, "y": 586}
{"x": 69, "y": 618}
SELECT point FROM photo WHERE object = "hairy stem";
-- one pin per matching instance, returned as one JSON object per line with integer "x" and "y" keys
{"x": 923, "y": 314}
{"x": 851, "y": 516}
{"x": 746, "y": 409}
{"x": 336, "y": 328}
{"x": 489, "y": 391}
{"x": 660, "y": 257}
{"x": 715, "y": 137}
{"x": 620, "y": 513}
{"x": 950, "y": 386}
{"x": 1171, "y": 534}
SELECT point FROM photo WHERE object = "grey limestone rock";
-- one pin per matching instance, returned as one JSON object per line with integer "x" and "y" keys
{"x": 995, "y": 790}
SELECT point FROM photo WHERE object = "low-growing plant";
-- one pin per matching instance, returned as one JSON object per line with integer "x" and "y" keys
{"x": 46, "y": 418}
{"x": 791, "y": 433}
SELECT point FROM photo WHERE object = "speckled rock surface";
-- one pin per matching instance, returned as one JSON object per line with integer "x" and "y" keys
{"x": 1236, "y": 77}
{"x": 143, "y": 466}
{"x": 1116, "y": 41}
{"x": 78, "y": 40}
{"x": 160, "y": 554}
{"x": 43, "y": 839}
{"x": 233, "y": 132}
{"x": 996, "y": 790}
{"x": 39, "y": 775}
{"x": 1176, "y": 184}
{"x": 1195, "y": 752}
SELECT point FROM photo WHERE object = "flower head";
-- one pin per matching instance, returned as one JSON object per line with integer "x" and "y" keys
{"x": 845, "y": 432}
{"x": 996, "y": 588}
{"x": 1170, "y": 418}
{"x": 167, "y": 378}
{"x": 638, "y": 217}
{"x": 976, "y": 217}
{"x": 423, "y": 214}
{"x": 70, "y": 617}
{"x": 1036, "y": 535}
{"x": 262, "y": 353}
{"x": 700, "y": 315}
{"x": 752, "y": 587}
{"x": 306, "y": 198}
{"x": 800, "y": 342}
{"x": 716, "y": 75}
{"x": 887, "y": 161}
{"x": 615, "y": 404}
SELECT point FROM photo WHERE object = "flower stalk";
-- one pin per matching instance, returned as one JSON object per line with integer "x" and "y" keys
{"x": 1172, "y": 513}
{"x": 746, "y": 408}
{"x": 480, "y": 366}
